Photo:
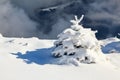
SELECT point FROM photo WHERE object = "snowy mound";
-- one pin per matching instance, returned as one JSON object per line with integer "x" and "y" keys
{"x": 78, "y": 45}
{"x": 33, "y": 62}
{"x": 113, "y": 47}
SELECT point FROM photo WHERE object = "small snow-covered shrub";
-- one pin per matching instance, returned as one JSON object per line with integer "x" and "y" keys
{"x": 78, "y": 44}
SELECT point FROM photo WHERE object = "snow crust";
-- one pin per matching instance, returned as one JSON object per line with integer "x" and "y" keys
{"x": 14, "y": 67}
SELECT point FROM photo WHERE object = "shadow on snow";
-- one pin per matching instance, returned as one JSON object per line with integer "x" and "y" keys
{"x": 40, "y": 56}
{"x": 113, "y": 46}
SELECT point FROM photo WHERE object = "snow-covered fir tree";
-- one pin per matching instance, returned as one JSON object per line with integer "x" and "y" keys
{"x": 78, "y": 45}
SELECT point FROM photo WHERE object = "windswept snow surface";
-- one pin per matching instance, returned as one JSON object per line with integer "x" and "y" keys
{"x": 111, "y": 45}
{"x": 30, "y": 59}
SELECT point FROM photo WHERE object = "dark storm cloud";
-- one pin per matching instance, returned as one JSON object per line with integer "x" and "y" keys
{"x": 101, "y": 15}
{"x": 106, "y": 13}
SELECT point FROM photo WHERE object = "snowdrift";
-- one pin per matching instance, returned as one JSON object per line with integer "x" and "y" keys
{"x": 30, "y": 58}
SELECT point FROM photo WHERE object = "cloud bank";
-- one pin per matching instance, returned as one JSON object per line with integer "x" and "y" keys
{"x": 14, "y": 22}
{"x": 26, "y": 18}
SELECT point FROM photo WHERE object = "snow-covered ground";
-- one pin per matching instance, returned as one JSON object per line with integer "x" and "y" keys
{"x": 30, "y": 59}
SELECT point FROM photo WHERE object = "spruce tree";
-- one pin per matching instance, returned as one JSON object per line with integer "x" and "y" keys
{"x": 78, "y": 43}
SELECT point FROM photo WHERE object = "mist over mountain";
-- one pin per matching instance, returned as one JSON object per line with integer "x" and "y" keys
{"x": 47, "y": 18}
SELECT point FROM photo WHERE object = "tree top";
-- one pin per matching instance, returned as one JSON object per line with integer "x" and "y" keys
{"x": 77, "y": 21}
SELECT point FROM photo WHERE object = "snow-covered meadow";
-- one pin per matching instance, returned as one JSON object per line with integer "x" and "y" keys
{"x": 30, "y": 59}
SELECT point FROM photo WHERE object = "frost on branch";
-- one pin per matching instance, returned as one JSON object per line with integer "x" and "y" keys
{"x": 78, "y": 45}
